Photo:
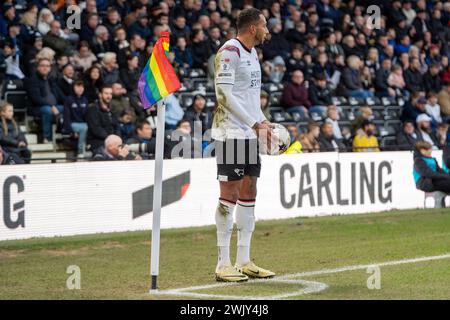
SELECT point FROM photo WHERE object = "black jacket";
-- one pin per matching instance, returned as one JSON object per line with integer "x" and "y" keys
{"x": 413, "y": 80}
{"x": 319, "y": 96}
{"x": 36, "y": 89}
{"x": 101, "y": 124}
{"x": 75, "y": 109}
{"x": 351, "y": 80}
{"x": 130, "y": 78}
{"x": 381, "y": 79}
{"x": 405, "y": 141}
{"x": 432, "y": 83}
{"x": 326, "y": 144}
{"x": 205, "y": 118}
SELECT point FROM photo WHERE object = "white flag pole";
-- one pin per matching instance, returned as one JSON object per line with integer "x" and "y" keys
{"x": 157, "y": 193}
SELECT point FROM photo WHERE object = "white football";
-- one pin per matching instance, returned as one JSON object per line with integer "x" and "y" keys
{"x": 281, "y": 140}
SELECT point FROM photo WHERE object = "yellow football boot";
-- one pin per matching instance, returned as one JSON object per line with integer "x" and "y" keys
{"x": 229, "y": 274}
{"x": 253, "y": 271}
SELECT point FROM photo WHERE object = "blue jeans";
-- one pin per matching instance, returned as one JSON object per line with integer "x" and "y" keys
{"x": 80, "y": 128}
{"x": 296, "y": 109}
{"x": 47, "y": 119}
{"x": 361, "y": 93}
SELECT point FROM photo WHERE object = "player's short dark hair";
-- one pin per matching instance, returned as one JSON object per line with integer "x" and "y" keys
{"x": 247, "y": 17}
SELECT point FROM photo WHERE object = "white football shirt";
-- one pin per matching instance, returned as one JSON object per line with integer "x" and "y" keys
{"x": 240, "y": 108}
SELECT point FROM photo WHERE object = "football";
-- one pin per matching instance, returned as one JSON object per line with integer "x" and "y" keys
{"x": 281, "y": 140}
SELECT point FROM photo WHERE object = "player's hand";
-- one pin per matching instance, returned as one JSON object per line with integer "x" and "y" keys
{"x": 264, "y": 132}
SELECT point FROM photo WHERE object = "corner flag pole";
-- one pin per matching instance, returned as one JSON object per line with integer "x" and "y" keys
{"x": 157, "y": 193}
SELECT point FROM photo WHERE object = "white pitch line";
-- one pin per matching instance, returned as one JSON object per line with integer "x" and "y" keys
{"x": 311, "y": 286}
{"x": 365, "y": 266}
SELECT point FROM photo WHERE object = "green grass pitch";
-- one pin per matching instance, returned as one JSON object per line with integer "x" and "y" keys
{"x": 117, "y": 265}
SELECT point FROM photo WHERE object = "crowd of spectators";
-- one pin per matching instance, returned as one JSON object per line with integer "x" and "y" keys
{"x": 85, "y": 79}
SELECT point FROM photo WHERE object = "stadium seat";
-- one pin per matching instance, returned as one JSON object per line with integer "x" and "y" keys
{"x": 275, "y": 98}
{"x": 393, "y": 126}
{"x": 199, "y": 84}
{"x": 210, "y": 100}
{"x": 388, "y": 143}
{"x": 186, "y": 100}
{"x": 393, "y": 113}
{"x": 196, "y": 73}
{"x": 19, "y": 99}
{"x": 278, "y": 116}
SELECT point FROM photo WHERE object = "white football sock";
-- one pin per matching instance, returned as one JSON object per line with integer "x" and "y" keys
{"x": 245, "y": 222}
{"x": 224, "y": 225}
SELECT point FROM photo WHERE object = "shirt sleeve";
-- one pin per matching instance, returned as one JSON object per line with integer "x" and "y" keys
{"x": 226, "y": 64}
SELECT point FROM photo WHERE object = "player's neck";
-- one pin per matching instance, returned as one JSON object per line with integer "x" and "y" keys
{"x": 247, "y": 41}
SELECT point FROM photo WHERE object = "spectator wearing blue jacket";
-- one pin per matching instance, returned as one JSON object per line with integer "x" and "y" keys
{"x": 428, "y": 175}
{"x": 183, "y": 54}
{"x": 75, "y": 110}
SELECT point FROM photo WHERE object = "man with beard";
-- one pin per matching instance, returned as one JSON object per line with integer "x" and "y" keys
{"x": 327, "y": 140}
{"x": 101, "y": 122}
{"x": 119, "y": 101}
{"x": 365, "y": 140}
{"x": 423, "y": 122}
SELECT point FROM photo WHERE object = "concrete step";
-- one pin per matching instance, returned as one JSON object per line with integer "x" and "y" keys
{"x": 31, "y": 138}
{"x": 41, "y": 147}
{"x": 44, "y": 155}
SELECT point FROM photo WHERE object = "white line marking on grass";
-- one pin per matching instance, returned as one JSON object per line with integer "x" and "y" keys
{"x": 364, "y": 266}
{"x": 310, "y": 286}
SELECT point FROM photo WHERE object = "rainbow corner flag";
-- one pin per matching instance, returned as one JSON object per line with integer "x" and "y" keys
{"x": 158, "y": 79}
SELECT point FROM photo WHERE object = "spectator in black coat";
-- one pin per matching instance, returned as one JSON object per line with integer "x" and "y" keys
{"x": 407, "y": 138}
{"x": 45, "y": 97}
{"x": 319, "y": 94}
{"x": 413, "y": 77}
{"x": 197, "y": 116}
{"x": 75, "y": 110}
{"x": 431, "y": 79}
{"x": 88, "y": 30}
{"x": 140, "y": 27}
{"x": 92, "y": 83}
{"x": 131, "y": 74}
{"x": 277, "y": 45}
{"x": 200, "y": 49}
{"x": 327, "y": 141}
{"x": 214, "y": 39}
{"x": 413, "y": 108}
{"x": 295, "y": 61}
{"x": 101, "y": 122}
{"x": 136, "y": 47}
{"x": 381, "y": 79}
{"x": 12, "y": 139}
{"x": 66, "y": 80}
